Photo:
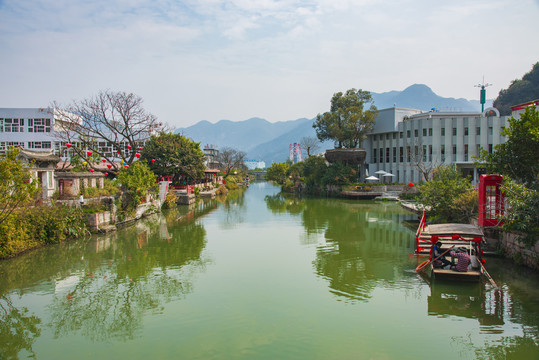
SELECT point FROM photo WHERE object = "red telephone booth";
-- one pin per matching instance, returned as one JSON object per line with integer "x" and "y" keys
{"x": 491, "y": 200}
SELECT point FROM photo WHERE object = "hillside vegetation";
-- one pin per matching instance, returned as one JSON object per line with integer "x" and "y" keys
{"x": 520, "y": 91}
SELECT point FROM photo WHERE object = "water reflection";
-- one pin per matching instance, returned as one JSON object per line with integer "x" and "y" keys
{"x": 363, "y": 243}
{"x": 101, "y": 288}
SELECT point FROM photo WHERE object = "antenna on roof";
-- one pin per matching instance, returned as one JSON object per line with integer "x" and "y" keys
{"x": 483, "y": 93}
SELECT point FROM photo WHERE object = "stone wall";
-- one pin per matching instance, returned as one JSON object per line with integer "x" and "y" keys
{"x": 511, "y": 247}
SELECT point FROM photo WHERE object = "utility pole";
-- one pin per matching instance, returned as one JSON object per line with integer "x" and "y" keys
{"x": 483, "y": 93}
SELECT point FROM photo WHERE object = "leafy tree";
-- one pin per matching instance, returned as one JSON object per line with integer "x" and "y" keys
{"x": 517, "y": 157}
{"x": 339, "y": 173}
{"x": 230, "y": 158}
{"x": 309, "y": 144}
{"x": 522, "y": 210}
{"x": 348, "y": 121}
{"x": 314, "y": 169}
{"x": 446, "y": 194}
{"x": 136, "y": 183}
{"x": 520, "y": 91}
{"x": 174, "y": 155}
{"x": 277, "y": 172}
{"x": 117, "y": 118}
{"x": 16, "y": 187}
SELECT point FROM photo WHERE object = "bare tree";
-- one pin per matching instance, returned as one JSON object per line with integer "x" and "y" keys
{"x": 310, "y": 144}
{"x": 230, "y": 158}
{"x": 421, "y": 158}
{"x": 112, "y": 126}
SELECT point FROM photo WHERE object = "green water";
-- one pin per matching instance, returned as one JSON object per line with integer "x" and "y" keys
{"x": 260, "y": 276}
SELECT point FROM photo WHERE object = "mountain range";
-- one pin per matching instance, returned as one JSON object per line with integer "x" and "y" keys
{"x": 269, "y": 142}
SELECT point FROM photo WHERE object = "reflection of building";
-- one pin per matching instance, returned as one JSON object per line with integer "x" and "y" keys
{"x": 404, "y": 137}
{"x": 254, "y": 164}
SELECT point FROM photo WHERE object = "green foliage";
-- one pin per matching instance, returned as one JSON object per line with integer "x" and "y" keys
{"x": 174, "y": 155}
{"x": 16, "y": 189}
{"x": 517, "y": 157}
{"x": 108, "y": 190}
{"x": 446, "y": 195}
{"x": 277, "y": 173}
{"x": 138, "y": 180}
{"x": 231, "y": 183}
{"x": 170, "y": 200}
{"x": 30, "y": 227}
{"x": 520, "y": 91}
{"x": 522, "y": 210}
{"x": 339, "y": 173}
{"x": 348, "y": 121}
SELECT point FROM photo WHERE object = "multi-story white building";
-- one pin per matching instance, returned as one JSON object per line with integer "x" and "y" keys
{"x": 404, "y": 139}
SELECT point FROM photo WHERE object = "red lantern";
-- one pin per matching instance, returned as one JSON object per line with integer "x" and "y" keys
{"x": 91, "y": 170}
{"x": 89, "y": 153}
{"x": 137, "y": 155}
{"x": 106, "y": 173}
{"x": 68, "y": 145}
{"x": 109, "y": 166}
{"x": 140, "y": 148}
{"x": 153, "y": 160}
{"x": 118, "y": 152}
{"x": 126, "y": 166}
{"x": 129, "y": 147}
{"x": 103, "y": 160}
{"x": 410, "y": 184}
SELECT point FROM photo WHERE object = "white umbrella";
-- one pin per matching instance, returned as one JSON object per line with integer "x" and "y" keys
{"x": 381, "y": 172}
{"x": 372, "y": 178}
{"x": 388, "y": 174}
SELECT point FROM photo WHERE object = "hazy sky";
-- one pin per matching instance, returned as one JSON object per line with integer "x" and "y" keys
{"x": 280, "y": 60}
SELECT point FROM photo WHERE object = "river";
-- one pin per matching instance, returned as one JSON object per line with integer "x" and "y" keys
{"x": 260, "y": 276}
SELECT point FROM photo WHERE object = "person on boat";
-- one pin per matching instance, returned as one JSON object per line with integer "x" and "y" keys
{"x": 463, "y": 259}
{"x": 437, "y": 251}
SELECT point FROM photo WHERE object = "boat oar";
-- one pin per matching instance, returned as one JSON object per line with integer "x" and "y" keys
{"x": 488, "y": 276}
{"x": 427, "y": 262}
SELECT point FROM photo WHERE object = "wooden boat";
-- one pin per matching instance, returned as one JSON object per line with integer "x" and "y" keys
{"x": 453, "y": 236}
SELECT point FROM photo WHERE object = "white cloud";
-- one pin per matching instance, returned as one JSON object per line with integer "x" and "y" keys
{"x": 277, "y": 59}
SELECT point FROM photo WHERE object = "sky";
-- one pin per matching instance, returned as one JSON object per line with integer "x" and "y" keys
{"x": 196, "y": 60}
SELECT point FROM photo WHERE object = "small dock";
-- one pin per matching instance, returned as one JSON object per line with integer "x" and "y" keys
{"x": 360, "y": 195}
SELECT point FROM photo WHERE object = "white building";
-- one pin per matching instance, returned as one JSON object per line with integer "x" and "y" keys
{"x": 403, "y": 138}
{"x": 254, "y": 164}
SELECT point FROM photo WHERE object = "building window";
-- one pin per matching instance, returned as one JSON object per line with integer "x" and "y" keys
{"x": 490, "y": 130}
{"x": 454, "y": 153}
{"x": 442, "y": 131}
{"x": 39, "y": 125}
{"x": 400, "y": 135}
{"x": 424, "y": 153}
{"x": 465, "y": 152}
{"x": 374, "y": 156}
{"x": 465, "y": 131}
{"x": 416, "y": 133}
{"x": 430, "y": 153}
{"x": 381, "y": 155}
{"x": 4, "y": 145}
{"x": 442, "y": 152}
{"x": 11, "y": 125}
{"x": 401, "y": 154}
{"x": 478, "y": 130}
{"x": 394, "y": 135}
{"x": 375, "y": 137}
{"x": 430, "y": 131}
{"x": 425, "y": 132}
{"x": 387, "y": 136}
{"x": 490, "y": 148}
{"x": 408, "y": 133}
{"x": 408, "y": 154}
{"x": 394, "y": 154}
{"x": 39, "y": 145}
{"x": 387, "y": 155}
{"x": 454, "y": 131}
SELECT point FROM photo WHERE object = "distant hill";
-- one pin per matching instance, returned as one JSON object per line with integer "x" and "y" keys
{"x": 269, "y": 142}
{"x": 419, "y": 96}
{"x": 520, "y": 91}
